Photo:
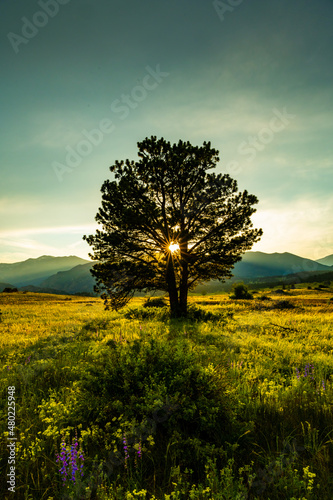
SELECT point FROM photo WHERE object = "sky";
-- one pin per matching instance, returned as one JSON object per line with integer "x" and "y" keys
{"x": 83, "y": 81}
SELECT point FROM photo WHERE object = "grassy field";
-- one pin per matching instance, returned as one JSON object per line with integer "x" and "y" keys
{"x": 235, "y": 402}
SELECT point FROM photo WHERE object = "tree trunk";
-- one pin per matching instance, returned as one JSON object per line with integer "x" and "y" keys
{"x": 183, "y": 289}
{"x": 172, "y": 288}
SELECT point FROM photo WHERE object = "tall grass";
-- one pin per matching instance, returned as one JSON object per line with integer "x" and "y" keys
{"x": 233, "y": 403}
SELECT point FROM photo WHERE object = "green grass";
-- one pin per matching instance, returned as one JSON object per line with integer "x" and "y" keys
{"x": 235, "y": 402}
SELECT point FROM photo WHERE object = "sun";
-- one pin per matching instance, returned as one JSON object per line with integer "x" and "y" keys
{"x": 173, "y": 247}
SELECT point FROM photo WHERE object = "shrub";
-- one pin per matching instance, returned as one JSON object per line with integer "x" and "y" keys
{"x": 149, "y": 388}
{"x": 156, "y": 313}
{"x": 10, "y": 290}
{"x": 264, "y": 297}
{"x": 240, "y": 291}
{"x": 194, "y": 313}
{"x": 155, "y": 302}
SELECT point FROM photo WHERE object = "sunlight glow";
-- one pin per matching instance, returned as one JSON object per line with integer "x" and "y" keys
{"x": 173, "y": 247}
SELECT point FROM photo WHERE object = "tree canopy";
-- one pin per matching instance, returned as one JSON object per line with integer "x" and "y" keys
{"x": 168, "y": 224}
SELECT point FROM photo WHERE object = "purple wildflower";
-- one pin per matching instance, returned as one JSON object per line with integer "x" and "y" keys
{"x": 62, "y": 458}
{"x": 297, "y": 373}
{"x": 73, "y": 461}
{"x": 69, "y": 460}
{"x": 125, "y": 450}
{"x": 309, "y": 371}
{"x": 82, "y": 459}
{"x": 312, "y": 371}
{"x": 138, "y": 454}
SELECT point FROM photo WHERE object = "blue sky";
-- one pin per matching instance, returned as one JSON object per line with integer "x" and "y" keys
{"x": 84, "y": 80}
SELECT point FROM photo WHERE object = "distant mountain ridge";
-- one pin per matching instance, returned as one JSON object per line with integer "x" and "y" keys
{"x": 72, "y": 275}
{"x": 34, "y": 271}
{"x": 76, "y": 280}
{"x": 260, "y": 264}
{"x": 327, "y": 261}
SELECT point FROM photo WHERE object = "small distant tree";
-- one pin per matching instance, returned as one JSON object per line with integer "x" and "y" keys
{"x": 168, "y": 224}
{"x": 240, "y": 291}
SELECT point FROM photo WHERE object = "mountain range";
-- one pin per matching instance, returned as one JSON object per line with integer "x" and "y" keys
{"x": 72, "y": 274}
{"x": 35, "y": 271}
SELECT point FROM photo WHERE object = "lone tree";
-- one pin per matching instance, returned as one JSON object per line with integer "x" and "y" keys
{"x": 168, "y": 224}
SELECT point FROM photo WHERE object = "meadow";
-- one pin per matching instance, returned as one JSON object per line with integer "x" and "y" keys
{"x": 233, "y": 403}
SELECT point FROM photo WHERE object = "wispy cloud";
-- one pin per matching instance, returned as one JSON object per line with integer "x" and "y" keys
{"x": 33, "y": 242}
{"x": 21, "y": 233}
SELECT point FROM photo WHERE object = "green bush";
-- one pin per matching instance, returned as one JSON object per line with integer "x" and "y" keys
{"x": 264, "y": 297}
{"x": 155, "y": 302}
{"x": 154, "y": 313}
{"x": 158, "y": 313}
{"x": 194, "y": 313}
{"x": 240, "y": 291}
{"x": 159, "y": 389}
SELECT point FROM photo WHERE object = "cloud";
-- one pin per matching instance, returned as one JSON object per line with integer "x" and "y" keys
{"x": 20, "y": 233}
{"x": 304, "y": 227}
{"x": 27, "y": 243}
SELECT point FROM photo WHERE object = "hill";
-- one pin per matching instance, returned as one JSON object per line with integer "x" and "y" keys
{"x": 327, "y": 261}
{"x": 76, "y": 280}
{"x": 259, "y": 269}
{"x": 72, "y": 274}
{"x": 39, "y": 289}
{"x": 34, "y": 271}
{"x": 260, "y": 264}
{"x": 5, "y": 285}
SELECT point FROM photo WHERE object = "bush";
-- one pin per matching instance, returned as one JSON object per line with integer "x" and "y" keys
{"x": 194, "y": 313}
{"x": 150, "y": 388}
{"x": 264, "y": 297}
{"x": 155, "y": 302}
{"x": 240, "y": 291}
{"x": 158, "y": 313}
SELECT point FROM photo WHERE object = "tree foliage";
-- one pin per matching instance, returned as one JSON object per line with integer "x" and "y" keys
{"x": 169, "y": 197}
{"x": 240, "y": 291}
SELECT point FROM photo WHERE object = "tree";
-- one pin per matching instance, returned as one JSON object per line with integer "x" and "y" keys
{"x": 168, "y": 224}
